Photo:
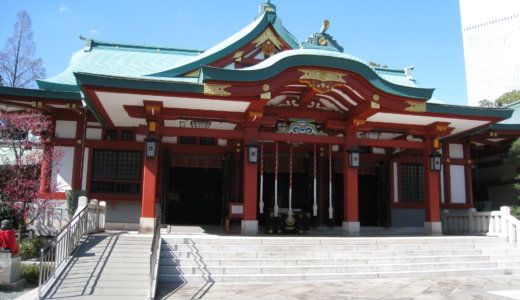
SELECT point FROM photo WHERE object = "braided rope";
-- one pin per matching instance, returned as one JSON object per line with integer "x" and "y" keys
{"x": 261, "y": 203}
{"x": 331, "y": 210}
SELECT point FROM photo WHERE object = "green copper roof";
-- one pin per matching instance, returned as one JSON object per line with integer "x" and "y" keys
{"x": 501, "y": 113}
{"x": 513, "y": 123}
{"x": 233, "y": 43}
{"x": 32, "y": 93}
{"x": 316, "y": 58}
{"x": 188, "y": 85}
{"x": 116, "y": 59}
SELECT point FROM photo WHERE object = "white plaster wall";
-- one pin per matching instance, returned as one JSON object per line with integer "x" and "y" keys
{"x": 139, "y": 138}
{"x": 376, "y": 150}
{"x": 458, "y": 184}
{"x": 85, "y": 169}
{"x": 62, "y": 174}
{"x": 66, "y": 129}
{"x": 94, "y": 133}
{"x": 169, "y": 139}
{"x": 124, "y": 212}
{"x": 456, "y": 151}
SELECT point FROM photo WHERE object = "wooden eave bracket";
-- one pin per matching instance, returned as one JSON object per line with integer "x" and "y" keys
{"x": 439, "y": 129}
{"x": 153, "y": 109}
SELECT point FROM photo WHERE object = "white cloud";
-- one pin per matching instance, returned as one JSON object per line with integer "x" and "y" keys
{"x": 63, "y": 8}
{"x": 93, "y": 31}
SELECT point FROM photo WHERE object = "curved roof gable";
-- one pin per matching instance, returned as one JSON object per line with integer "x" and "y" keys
{"x": 233, "y": 43}
{"x": 314, "y": 58}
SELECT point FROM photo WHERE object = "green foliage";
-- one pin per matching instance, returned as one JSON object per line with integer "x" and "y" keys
{"x": 72, "y": 200}
{"x": 508, "y": 98}
{"x": 487, "y": 103}
{"x": 30, "y": 272}
{"x": 514, "y": 152}
{"x": 501, "y": 101}
{"x": 515, "y": 211}
{"x": 8, "y": 212}
{"x": 30, "y": 247}
{"x": 514, "y": 158}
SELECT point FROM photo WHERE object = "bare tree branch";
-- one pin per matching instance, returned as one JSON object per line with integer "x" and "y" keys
{"x": 18, "y": 68}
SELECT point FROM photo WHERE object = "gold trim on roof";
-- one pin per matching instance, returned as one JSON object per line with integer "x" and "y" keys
{"x": 322, "y": 75}
{"x": 320, "y": 80}
{"x": 268, "y": 35}
{"x": 416, "y": 106}
{"x": 216, "y": 89}
{"x": 238, "y": 56}
{"x": 195, "y": 73}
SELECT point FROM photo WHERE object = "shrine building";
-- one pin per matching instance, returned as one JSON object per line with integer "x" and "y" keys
{"x": 261, "y": 121}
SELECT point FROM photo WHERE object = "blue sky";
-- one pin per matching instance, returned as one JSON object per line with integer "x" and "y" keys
{"x": 397, "y": 33}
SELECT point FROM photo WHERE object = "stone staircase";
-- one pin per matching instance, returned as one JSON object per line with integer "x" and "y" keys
{"x": 205, "y": 258}
{"x": 110, "y": 265}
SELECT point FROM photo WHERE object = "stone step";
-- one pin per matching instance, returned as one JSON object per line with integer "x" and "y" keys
{"x": 245, "y": 270}
{"x": 344, "y": 247}
{"x": 169, "y": 278}
{"x": 328, "y": 240}
{"x": 341, "y": 261}
{"x": 333, "y": 254}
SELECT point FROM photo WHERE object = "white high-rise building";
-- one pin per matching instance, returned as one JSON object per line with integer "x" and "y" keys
{"x": 491, "y": 35}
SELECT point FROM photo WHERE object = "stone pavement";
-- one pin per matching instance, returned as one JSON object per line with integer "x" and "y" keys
{"x": 459, "y": 288}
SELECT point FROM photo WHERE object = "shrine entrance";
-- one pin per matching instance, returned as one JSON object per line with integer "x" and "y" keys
{"x": 195, "y": 196}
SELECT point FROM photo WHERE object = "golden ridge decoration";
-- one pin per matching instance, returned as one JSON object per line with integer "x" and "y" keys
{"x": 268, "y": 35}
{"x": 322, "y": 81}
{"x": 416, "y": 106}
{"x": 375, "y": 105}
{"x": 216, "y": 89}
{"x": 195, "y": 73}
{"x": 238, "y": 56}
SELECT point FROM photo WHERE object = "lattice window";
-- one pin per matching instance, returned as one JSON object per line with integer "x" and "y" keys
{"x": 188, "y": 140}
{"x": 209, "y": 141}
{"x": 411, "y": 183}
{"x": 116, "y": 172}
{"x": 127, "y": 135}
{"x": 110, "y": 135}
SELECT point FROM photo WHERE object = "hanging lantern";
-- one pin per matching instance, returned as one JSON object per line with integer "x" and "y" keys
{"x": 435, "y": 161}
{"x": 151, "y": 147}
{"x": 252, "y": 153}
{"x": 353, "y": 158}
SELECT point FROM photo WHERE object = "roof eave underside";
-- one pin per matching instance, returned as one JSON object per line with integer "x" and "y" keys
{"x": 36, "y": 93}
{"x": 484, "y": 112}
{"x": 241, "y": 38}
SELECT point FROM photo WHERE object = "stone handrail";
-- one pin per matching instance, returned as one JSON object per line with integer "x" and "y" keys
{"x": 493, "y": 223}
{"x": 89, "y": 218}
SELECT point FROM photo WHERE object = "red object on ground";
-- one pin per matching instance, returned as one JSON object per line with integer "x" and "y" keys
{"x": 8, "y": 241}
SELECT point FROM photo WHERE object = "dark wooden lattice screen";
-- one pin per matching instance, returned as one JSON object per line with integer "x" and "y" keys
{"x": 117, "y": 172}
{"x": 411, "y": 183}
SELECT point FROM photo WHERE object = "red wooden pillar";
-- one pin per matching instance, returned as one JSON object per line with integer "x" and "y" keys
{"x": 149, "y": 192}
{"x": 46, "y": 167}
{"x": 250, "y": 186}
{"x": 46, "y": 171}
{"x": 77, "y": 170}
{"x": 432, "y": 195}
{"x": 351, "y": 224}
{"x": 468, "y": 171}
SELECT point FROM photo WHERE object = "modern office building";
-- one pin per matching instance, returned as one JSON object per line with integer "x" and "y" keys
{"x": 491, "y": 35}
